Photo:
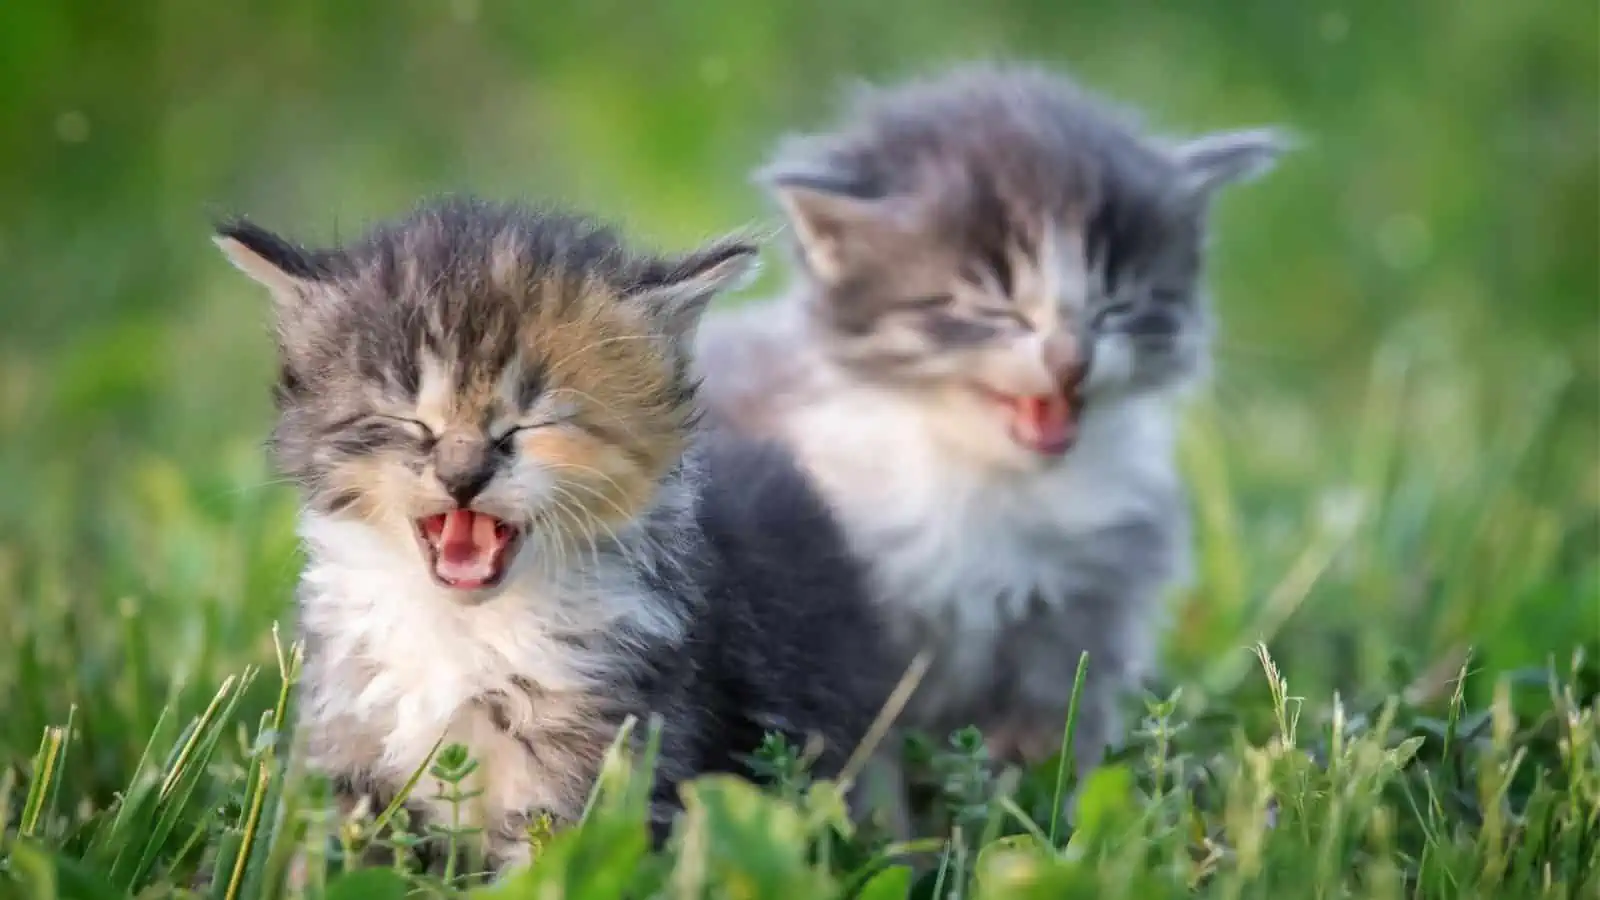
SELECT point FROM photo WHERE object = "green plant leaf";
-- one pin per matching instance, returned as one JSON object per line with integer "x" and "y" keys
{"x": 749, "y": 842}
{"x": 54, "y": 876}
{"x": 1105, "y": 801}
{"x": 369, "y": 884}
{"x": 893, "y": 883}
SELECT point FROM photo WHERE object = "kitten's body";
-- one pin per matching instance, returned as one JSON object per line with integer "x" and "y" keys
{"x": 645, "y": 577}
{"x": 993, "y": 226}
{"x": 1005, "y": 576}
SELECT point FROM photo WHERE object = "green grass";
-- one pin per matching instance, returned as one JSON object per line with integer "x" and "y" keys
{"x": 1376, "y": 801}
{"x": 1416, "y": 768}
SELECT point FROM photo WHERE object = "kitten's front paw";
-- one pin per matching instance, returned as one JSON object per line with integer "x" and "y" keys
{"x": 1022, "y": 746}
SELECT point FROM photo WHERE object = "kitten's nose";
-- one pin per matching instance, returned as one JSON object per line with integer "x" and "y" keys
{"x": 463, "y": 465}
{"x": 1065, "y": 359}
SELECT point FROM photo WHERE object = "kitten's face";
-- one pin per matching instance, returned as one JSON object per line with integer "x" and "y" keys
{"x": 977, "y": 246}
{"x": 481, "y": 385}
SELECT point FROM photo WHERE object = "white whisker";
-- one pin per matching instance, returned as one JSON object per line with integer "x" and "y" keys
{"x": 621, "y": 420}
{"x": 569, "y": 505}
{"x": 595, "y": 345}
{"x": 598, "y": 474}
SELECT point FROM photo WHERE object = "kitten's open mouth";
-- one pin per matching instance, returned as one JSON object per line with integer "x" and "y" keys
{"x": 467, "y": 549}
{"x": 1047, "y": 424}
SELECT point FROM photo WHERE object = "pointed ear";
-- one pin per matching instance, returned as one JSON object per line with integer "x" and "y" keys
{"x": 823, "y": 211}
{"x": 1217, "y": 160}
{"x": 285, "y": 269}
{"x": 678, "y": 291}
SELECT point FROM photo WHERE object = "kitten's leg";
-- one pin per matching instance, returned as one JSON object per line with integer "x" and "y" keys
{"x": 1094, "y": 728}
{"x": 1110, "y": 624}
{"x": 358, "y": 797}
{"x": 1031, "y": 743}
{"x": 1037, "y": 714}
{"x": 883, "y": 788}
{"x": 678, "y": 760}
{"x": 508, "y": 846}
{"x": 1097, "y": 727}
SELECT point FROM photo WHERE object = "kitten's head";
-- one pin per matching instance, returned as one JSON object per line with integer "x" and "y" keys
{"x": 477, "y": 377}
{"x": 1006, "y": 247}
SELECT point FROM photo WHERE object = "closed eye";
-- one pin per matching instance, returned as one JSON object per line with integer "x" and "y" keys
{"x": 925, "y": 302}
{"x": 378, "y": 420}
{"x": 1111, "y": 313}
{"x": 502, "y": 441}
{"x": 1003, "y": 313}
{"x": 363, "y": 434}
{"x": 411, "y": 426}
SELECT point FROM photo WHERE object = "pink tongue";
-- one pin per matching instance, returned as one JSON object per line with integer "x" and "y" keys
{"x": 467, "y": 546}
{"x": 1045, "y": 423}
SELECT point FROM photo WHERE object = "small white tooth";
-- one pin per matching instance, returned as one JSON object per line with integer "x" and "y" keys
{"x": 476, "y": 569}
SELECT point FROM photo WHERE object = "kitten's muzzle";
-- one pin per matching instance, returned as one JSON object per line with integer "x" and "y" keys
{"x": 466, "y": 548}
{"x": 1066, "y": 358}
{"x": 464, "y": 465}
{"x": 1047, "y": 423}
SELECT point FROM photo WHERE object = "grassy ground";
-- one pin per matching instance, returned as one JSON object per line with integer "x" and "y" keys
{"x": 1438, "y": 775}
{"x": 1395, "y": 474}
{"x": 1378, "y": 801}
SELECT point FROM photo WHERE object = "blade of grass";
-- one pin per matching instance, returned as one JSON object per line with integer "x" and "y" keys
{"x": 258, "y": 794}
{"x": 100, "y": 844}
{"x": 898, "y": 698}
{"x": 60, "y": 768}
{"x": 42, "y": 775}
{"x": 180, "y": 783}
{"x": 1067, "y": 763}
{"x": 400, "y": 796}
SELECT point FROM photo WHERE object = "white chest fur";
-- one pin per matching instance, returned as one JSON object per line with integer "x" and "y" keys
{"x": 399, "y": 662}
{"x": 964, "y": 545}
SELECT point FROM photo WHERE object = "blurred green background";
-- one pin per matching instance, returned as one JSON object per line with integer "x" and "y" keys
{"x": 1398, "y": 457}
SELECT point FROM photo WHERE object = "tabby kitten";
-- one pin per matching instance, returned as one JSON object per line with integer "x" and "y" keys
{"x": 517, "y": 537}
{"x": 997, "y": 300}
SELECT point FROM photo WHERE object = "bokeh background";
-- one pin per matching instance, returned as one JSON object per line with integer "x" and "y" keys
{"x": 1398, "y": 458}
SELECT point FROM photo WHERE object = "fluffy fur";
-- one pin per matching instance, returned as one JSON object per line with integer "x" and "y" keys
{"x": 993, "y": 231}
{"x": 529, "y": 366}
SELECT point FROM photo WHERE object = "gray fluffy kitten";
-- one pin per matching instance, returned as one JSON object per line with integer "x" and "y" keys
{"x": 998, "y": 299}
{"x": 516, "y": 534}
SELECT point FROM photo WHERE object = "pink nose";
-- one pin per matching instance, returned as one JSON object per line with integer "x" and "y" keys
{"x": 1064, "y": 360}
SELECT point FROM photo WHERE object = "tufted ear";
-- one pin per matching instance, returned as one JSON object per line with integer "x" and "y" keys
{"x": 1216, "y": 160}
{"x": 677, "y": 291}
{"x": 826, "y": 212}
{"x": 296, "y": 278}
{"x": 288, "y": 271}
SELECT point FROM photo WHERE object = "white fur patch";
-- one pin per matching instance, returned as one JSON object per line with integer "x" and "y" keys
{"x": 958, "y": 522}
{"x": 435, "y": 393}
{"x": 1113, "y": 365}
{"x": 400, "y": 660}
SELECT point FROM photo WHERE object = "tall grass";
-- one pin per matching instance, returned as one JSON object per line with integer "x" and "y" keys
{"x": 1376, "y": 801}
